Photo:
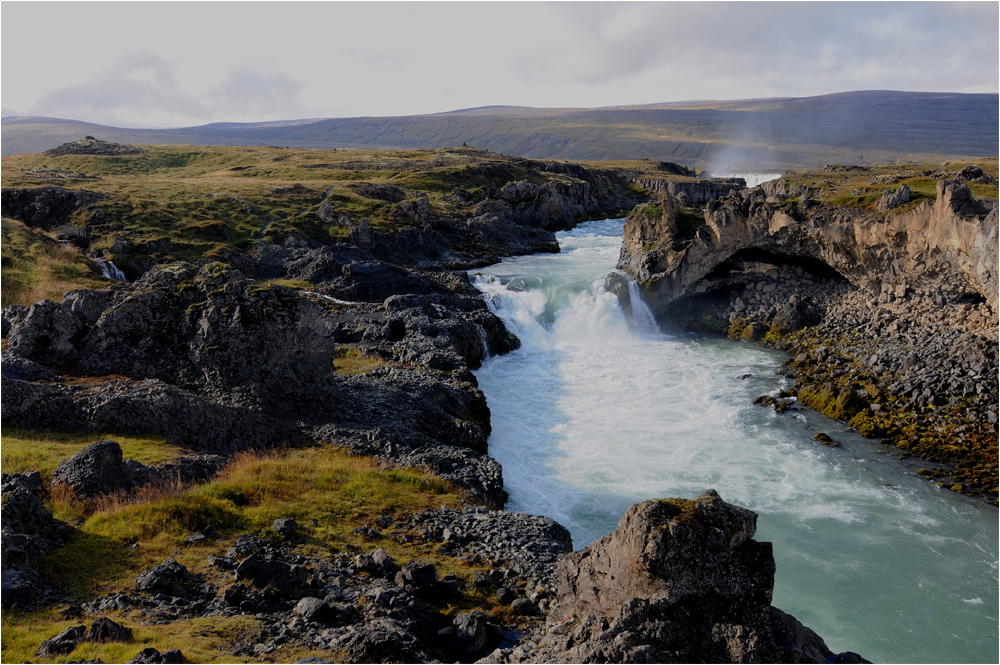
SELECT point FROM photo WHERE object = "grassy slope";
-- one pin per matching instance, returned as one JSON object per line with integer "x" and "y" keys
{"x": 209, "y": 201}
{"x": 34, "y": 267}
{"x": 864, "y": 127}
{"x": 341, "y": 492}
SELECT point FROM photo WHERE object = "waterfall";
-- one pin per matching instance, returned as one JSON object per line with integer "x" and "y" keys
{"x": 642, "y": 315}
{"x": 110, "y": 270}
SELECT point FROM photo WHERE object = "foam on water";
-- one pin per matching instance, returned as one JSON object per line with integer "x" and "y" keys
{"x": 592, "y": 414}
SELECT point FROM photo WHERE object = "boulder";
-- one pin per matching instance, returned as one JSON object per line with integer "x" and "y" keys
{"x": 285, "y": 526}
{"x": 95, "y": 469}
{"x": 106, "y": 630}
{"x": 166, "y": 577}
{"x": 313, "y": 609}
{"x": 471, "y": 631}
{"x": 678, "y": 581}
{"x": 417, "y": 573}
{"x": 62, "y": 643}
{"x": 151, "y": 655}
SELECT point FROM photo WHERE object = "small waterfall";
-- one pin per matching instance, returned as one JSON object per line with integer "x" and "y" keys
{"x": 642, "y": 315}
{"x": 110, "y": 270}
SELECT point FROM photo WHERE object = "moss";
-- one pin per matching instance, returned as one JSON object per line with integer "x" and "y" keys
{"x": 682, "y": 511}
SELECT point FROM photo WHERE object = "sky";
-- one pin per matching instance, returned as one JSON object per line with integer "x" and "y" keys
{"x": 152, "y": 64}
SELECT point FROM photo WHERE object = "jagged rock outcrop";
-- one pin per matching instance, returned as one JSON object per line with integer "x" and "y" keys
{"x": 29, "y": 533}
{"x": 215, "y": 360}
{"x": 93, "y": 146}
{"x": 693, "y": 192}
{"x": 46, "y": 207}
{"x": 679, "y": 581}
{"x": 950, "y": 246}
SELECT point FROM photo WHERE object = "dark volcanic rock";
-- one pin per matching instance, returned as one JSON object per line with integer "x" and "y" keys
{"x": 678, "y": 581}
{"x": 63, "y": 643}
{"x": 151, "y": 655}
{"x": 106, "y": 630}
{"x": 97, "y": 468}
{"x": 167, "y": 576}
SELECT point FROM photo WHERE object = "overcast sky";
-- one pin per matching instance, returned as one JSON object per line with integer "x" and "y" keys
{"x": 144, "y": 64}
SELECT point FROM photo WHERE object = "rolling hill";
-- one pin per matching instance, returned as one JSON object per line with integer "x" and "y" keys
{"x": 758, "y": 134}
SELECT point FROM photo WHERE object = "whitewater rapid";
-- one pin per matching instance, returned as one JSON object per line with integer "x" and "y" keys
{"x": 594, "y": 413}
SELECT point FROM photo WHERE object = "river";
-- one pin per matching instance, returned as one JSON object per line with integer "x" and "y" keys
{"x": 591, "y": 415}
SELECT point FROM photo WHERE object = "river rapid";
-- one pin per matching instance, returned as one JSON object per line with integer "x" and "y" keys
{"x": 593, "y": 414}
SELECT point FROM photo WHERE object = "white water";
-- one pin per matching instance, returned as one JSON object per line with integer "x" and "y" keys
{"x": 110, "y": 270}
{"x": 752, "y": 179}
{"x": 592, "y": 415}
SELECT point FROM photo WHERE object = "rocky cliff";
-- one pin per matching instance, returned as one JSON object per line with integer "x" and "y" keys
{"x": 947, "y": 249}
{"x": 871, "y": 306}
{"x": 679, "y": 581}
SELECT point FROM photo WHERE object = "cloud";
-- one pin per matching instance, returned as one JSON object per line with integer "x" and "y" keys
{"x": 142, "y": 88}
{"x": 714, "y": 49}
{"x": 251, "y": 91}
{"x": 139, "y": 84}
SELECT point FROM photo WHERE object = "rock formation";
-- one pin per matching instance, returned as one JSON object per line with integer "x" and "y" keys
{"x": 678, "y": 581}
{"x": 892, "y": 295}
{"x": 949, "y": 246}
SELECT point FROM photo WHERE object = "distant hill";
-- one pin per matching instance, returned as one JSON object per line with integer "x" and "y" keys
{"x": 759, "y": 134}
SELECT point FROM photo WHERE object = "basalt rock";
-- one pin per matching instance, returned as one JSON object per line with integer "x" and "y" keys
{"x": 950, "y": 246}
{"x": 97, "y": 468}
{"x": 678, "y": 581}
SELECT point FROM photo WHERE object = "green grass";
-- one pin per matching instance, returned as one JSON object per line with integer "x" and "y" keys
{"x": 32, "y": 449}
{"x": 863, "y": 189}
{"x": 323, "y": 483}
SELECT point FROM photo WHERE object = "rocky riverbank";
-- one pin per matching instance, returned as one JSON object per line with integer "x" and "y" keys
{"x": 890, "y": 318}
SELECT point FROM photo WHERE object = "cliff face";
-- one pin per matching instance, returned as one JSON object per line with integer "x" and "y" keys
{"x": 947, "y": 249}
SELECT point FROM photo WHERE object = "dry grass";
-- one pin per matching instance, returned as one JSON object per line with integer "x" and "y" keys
{"x": 33, "y": 267}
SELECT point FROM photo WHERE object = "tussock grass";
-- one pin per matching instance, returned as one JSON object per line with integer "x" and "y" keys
{"x": 327, "y": 490}
{"x": 348, "y": 361}
{"x": 202, "y": 640}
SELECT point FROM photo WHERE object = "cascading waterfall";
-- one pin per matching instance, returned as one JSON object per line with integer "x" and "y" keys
{"x": 642, "y": 315}
{"x": 110, "y": 270}
{"x": 591, "y": 415}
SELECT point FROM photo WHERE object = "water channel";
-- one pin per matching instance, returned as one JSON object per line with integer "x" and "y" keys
{"x": 592, "y": 414}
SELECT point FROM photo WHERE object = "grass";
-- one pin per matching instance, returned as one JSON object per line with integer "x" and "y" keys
{"x": 328, "y": 491}
{"x": 211, "y": 201}
{"x": 32, "y": 449}
{"x": 201, "y": 640}
{"x": 339, "y": 491}
{"x": 349, "y": 361}
{"x": 863, "y": 188}
{"x": 34, "y": 267}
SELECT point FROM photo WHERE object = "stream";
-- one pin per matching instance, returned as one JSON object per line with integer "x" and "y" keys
{"x": 594, "y": 413}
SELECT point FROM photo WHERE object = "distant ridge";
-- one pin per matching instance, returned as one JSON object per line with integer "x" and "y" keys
{"x": 783, "y": 132}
